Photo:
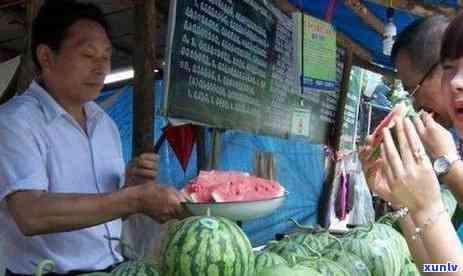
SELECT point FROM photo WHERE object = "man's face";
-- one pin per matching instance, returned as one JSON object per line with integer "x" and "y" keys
{"x": 429, "y": 97}
{"x": 77, "y": 71}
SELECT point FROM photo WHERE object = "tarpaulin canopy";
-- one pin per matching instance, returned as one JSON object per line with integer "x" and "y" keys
{"x": 346, "y": 21}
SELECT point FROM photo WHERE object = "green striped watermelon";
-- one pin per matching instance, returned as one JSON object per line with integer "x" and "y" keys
{"x": 397, "y": 241}
{"x": 410, "y": 269}
{"x": 96, "y": 274}
{"x": 132, "y": 268}
{"x": 207, "y": 246}
{"x": 352, "y": 263}
{"x": 325, "y": 266}
{"x": 267, "y": 259}
{"x": 315, "y": 237}
{"x": 375, "y": 251}
{"x": 285, "y": 270}
{"x": 289, "y": 250}
{"x": 449, "y": 201}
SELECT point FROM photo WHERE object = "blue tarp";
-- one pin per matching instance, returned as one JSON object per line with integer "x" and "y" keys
{"x": 299, "y": 165}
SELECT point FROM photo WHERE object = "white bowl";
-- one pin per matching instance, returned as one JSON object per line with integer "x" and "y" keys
{"x": 237, "y": 211}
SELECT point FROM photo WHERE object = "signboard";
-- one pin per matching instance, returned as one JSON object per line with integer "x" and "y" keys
{"x": 317, "y": 57}
{"x": 232, "y": 65}
{"x": 350, "y": 123}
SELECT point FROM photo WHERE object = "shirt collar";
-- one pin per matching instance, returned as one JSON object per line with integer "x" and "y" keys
{"x": 52, "y": 109}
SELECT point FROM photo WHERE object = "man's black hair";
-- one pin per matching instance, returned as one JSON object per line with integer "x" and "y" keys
{"x": 54, "y": 19}
{"x": 422, "y": 40}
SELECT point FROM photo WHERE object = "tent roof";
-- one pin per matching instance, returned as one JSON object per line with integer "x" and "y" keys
{"x": 120, "y": 16}
{"x": 346, "y": 21}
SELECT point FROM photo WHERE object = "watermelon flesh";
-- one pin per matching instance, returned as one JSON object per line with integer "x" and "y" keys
{"x": 220, "y": 186}
{"x": 398, "y": 112}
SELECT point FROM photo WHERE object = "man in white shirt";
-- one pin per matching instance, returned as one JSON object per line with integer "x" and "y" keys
{"x": 62, "y": 184}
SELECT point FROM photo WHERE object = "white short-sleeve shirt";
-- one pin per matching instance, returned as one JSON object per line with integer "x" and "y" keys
{"x": 43, "y": 148}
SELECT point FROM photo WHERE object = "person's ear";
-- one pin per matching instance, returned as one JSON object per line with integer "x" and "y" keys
{"x": 45, "y": 57}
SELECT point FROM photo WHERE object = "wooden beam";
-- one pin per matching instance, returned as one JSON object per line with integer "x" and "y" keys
{"x": 366, "y": 15}
{"x": 143, "y": 61}
{"x": 285, "y": 6}
{"x": 357, "y": 50}
{"x": 418, "y": 7}
{"x": 27, "y": 69}
{"x": 373, "y": 68}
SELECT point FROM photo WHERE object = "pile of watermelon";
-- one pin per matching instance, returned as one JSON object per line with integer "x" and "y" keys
{"x": 230, "y": 186}
{"x": 215, "y": 246}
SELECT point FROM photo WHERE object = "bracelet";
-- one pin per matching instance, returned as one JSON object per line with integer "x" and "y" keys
{"x": 429, "y": 221}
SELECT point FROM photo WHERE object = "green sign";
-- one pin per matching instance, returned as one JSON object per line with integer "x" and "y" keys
{"x": 317, "y": 66}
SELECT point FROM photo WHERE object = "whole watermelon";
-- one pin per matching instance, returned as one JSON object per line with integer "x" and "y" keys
{"x": 410, "y": 269}
{"x": 396, "y": 239}
{"x": 449, "y": 201}
{"x": 375, "y": 251}
{"x": 96, "y": 274}
{"x": 325, "y": 266}
{"x": 350, "y": 262}
{"x": 289, "y": 250}
{"x": 285, "y": 270}
{"x": 130, "y": 268}
{"x": 267, "y": 259}
{"x": 207, "y": 246}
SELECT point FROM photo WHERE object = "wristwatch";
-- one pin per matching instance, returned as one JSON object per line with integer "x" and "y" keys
{"x": 443, "y": 163}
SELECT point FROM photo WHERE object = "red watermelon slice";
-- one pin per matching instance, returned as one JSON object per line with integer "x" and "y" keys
{"x": 399, "y": 111}
{"x": 216, "y": 186}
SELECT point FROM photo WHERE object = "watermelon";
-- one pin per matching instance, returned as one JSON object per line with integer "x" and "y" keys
{"x": 410, "y": 269}
{"x": 350, "y": 262}
{"x": 96, "y": 274}
{"x": 325, "y": 266}
{"x": 375, "y": 251}
{"x": 289, "y": 250}
{"x": 318, "y": 238}
{"x": 285, "y": 270}
{"x": 44, "y": 267}
{"x": 396, "y": 239}
{"x": 449, "y": 201}
{"x": 216, "y": 186}
{"x": 142, "y": 268}
{"x": 207, "y": 246}
{"x": 267, "y": 259}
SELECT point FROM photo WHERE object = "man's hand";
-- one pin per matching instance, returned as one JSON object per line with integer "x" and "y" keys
{"x": 436, "y": 139}
{"x": 142, "y": 168}
{"x": 161, "y": 203}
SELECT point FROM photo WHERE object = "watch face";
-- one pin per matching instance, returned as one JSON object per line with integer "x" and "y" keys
{"x": 441, "y": 165}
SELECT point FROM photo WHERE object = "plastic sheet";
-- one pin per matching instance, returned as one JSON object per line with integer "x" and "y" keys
{"x": 299, "y": 166}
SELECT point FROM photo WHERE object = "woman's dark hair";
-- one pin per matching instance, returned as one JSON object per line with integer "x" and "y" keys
{"x": 452, "y": 42}
{"x": 55, "y": 18}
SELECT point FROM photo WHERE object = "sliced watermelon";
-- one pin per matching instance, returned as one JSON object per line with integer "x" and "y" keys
{"x": 399, "y": 111}
{"x": 251, "y": 189}
{"x": 216, "y": 186}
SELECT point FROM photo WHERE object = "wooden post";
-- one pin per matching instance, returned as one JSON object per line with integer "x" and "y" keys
{"x": 342, "y": 99}
{"x": 26, "y": 69}
{"x": 143, "y": 62}
{"x": 326, "y": 204}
